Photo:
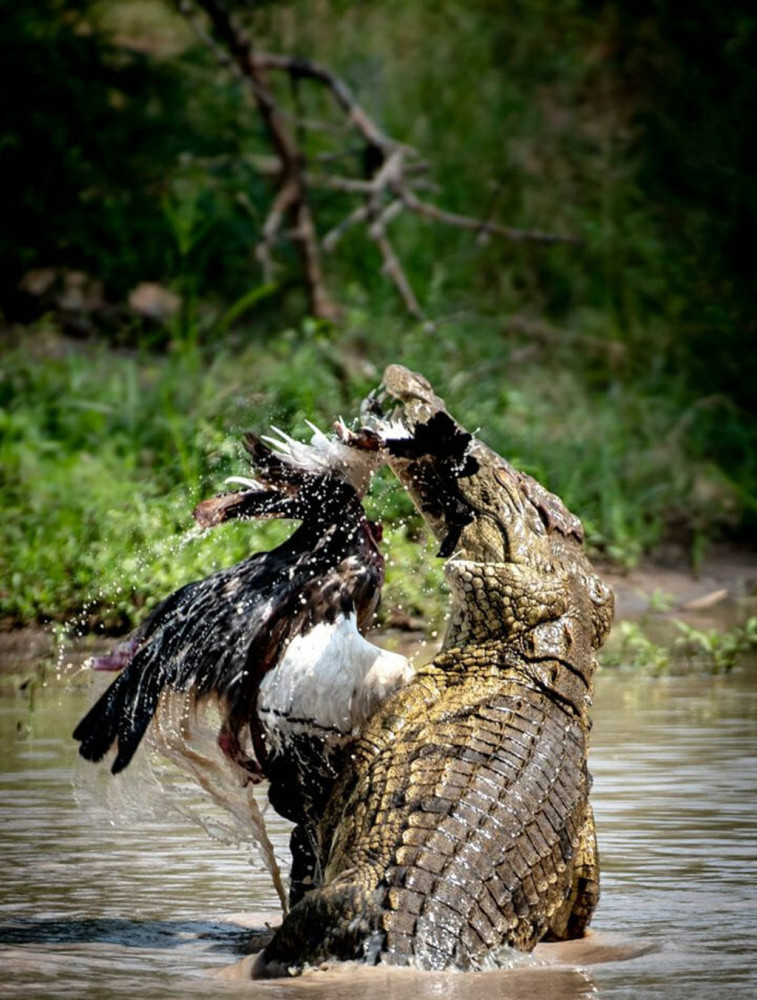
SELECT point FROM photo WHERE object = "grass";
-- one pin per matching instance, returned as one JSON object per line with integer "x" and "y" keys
{"x": 706, "y": 650}
{"x": 103, "y": 454}
{"x": 617, "y": 371}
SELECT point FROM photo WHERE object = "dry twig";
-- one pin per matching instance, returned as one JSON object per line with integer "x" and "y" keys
{"x": 396, "y": 172}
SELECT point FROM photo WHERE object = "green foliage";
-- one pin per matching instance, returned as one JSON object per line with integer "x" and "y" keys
{"x": 100, "y": 149}
{"x": 712, "y": 650}
{"x": 102, "y": 458}
{"x": 414, "y": 594}
{"x": 627, "y": 128}
{"x": 618, "y": 370}
{"x": 103, "y": 454}
{"x": 718, "y": 650}
{"x": 693, "y": 75}
{"x": 631, "y": 647}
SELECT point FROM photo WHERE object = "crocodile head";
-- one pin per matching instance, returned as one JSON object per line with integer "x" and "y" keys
{"x": 516, "y": 566}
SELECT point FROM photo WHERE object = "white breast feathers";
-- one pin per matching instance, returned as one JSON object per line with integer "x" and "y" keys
{"x": 328, "y": 683}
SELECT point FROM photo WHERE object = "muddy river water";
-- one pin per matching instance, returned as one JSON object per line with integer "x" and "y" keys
{"x": 106, "y": 891}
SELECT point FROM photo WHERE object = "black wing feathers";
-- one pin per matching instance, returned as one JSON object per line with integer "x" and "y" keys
{"x": 219, "y": 635}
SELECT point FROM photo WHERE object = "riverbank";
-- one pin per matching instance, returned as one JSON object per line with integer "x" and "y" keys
{"x": 722, "y": 594}
{"x": 722, "y": 590}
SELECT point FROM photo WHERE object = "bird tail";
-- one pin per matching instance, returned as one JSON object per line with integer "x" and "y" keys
{"x": 123, "y": 712}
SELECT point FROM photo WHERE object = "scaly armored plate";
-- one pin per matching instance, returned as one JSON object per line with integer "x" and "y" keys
{"x": 461, "y": 822}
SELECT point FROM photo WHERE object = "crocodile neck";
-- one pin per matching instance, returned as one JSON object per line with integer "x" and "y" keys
{"x": 543, "y": 620}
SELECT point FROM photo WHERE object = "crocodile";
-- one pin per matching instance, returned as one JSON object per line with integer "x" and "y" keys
{"x": 461, "y": 823}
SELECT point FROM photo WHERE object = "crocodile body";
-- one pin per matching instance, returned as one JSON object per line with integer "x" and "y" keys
{"x": 461, "y": 822}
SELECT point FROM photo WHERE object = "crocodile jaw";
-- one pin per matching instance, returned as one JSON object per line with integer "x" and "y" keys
{"x": 515, "y": 553}
{"x": 479, "y": 507}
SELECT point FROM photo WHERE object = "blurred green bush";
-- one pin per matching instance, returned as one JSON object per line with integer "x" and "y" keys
{"x": 620, "y": 370}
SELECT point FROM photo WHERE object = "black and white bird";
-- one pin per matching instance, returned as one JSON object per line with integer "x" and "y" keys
{"x": 275, "y": 642}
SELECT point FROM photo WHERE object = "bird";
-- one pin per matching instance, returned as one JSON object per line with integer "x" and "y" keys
{"x": 276, "y": 641}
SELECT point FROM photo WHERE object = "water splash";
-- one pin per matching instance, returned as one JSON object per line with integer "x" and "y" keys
{"x": 183, "y": 738}
{"x": 181, "y": 769}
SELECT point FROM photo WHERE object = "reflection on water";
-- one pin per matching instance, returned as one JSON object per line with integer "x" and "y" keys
{"x": 99, "y": 901}
{"x": 675, "y": 767}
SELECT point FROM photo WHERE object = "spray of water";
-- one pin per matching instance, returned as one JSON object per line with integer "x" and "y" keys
{"x": 183, "y": 739}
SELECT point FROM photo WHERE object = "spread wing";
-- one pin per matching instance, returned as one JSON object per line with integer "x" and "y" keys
{"x": 219, "y": 636}
{"x": 210, "y": 636}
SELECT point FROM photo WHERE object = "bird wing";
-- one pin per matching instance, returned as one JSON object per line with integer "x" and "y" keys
{"x": 204, "y": 637}
{"x": 218, "y": 636}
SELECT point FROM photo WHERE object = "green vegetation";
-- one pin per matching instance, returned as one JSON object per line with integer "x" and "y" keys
{"x": 103, "y": 455}
{"x": 630, "y": 646}
{"x": 717, "y": 649}
{"x": 712, "y": 650}
{"x": 618, "y": 370}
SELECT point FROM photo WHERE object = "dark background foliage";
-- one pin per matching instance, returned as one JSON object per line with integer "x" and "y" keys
{"x": 620, "y": 369}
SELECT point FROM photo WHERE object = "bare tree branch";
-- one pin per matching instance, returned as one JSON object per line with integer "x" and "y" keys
{"x": 284, "y": 200}
{"x": 393, "y": 171}
{"x": 393, "y": 269}
{"x": 292, "y": 197}
{"x": 480, "y": 225}
{"x": 360, "y": 214}
{"x": 356, "y": 116}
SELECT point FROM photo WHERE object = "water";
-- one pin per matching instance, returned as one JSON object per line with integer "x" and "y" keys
{"x": 104, "y": 892}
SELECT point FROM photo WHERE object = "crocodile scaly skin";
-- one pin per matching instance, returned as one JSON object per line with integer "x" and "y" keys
{"x": 461, "y": 822}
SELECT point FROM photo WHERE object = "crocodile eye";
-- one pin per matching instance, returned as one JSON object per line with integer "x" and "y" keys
{"x": 599, "y": 592}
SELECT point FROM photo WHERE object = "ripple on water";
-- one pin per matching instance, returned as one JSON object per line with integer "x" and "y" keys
{"x": 104, "y": 901}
